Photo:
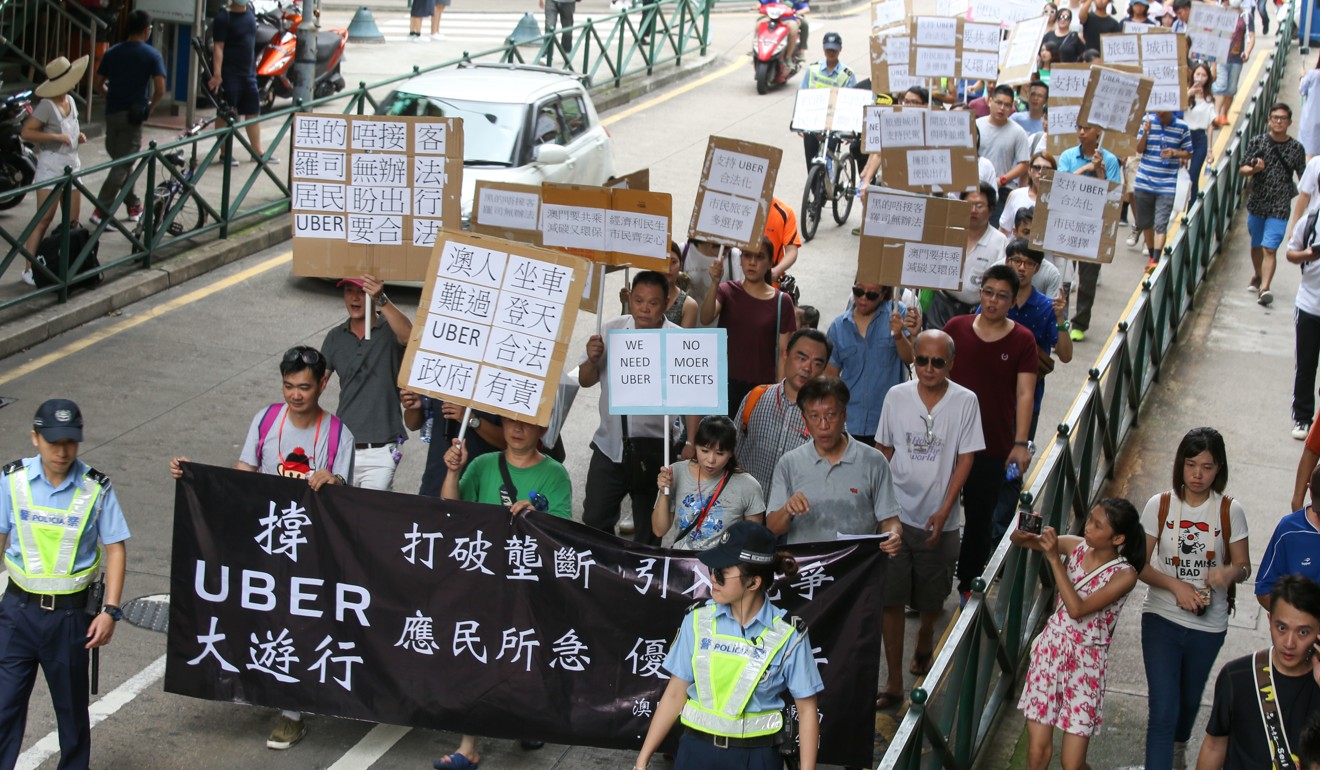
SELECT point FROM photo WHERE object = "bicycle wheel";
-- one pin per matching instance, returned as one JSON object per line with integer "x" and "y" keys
{"x": 845, "y": 187}
{"x": 190, "y": 214}
{"x": 813, "y": 200}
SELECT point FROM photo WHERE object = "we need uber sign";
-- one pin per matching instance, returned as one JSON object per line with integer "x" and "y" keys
{"x": 667, "y": 371}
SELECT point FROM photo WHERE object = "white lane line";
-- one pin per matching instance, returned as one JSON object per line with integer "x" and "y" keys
{"x": 371, "y": 748}
{"x": 111, "y": 702}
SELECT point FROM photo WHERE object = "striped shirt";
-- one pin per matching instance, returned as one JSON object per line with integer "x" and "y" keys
{"x": 1154, "y": 173}
{"x": 774, "y": 427}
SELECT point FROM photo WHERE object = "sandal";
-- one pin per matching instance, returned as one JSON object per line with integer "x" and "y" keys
{"x": 887, "y": 700}
{"x": 920, "y": 665}
{"x": 455, "y": 761}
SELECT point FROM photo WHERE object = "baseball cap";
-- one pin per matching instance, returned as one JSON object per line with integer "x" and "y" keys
{"x": 59, "y": 419}
{"x": 346, "y": 281}
{"x": 831, "y": 42}
{"x": 743, "y": 542}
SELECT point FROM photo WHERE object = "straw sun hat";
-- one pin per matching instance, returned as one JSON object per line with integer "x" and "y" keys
{"x": 61, "y": 77}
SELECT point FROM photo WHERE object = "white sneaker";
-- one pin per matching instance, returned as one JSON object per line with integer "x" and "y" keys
{"x": 1300, "y": 429}
{"x": 1133, "y": 238}
{"x": 626, "y": 525}
{"x": 437, "y": 37}
{"x": 27, "y": 277}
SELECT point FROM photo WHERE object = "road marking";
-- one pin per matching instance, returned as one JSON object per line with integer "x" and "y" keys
{"x": 738, "y": 64}
{"x": 111, "y": 702}
{"x": 371, "y": 748}
{"x": 155, "y": 312}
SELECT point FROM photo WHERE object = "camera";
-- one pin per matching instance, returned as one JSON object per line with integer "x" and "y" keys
{"x": 1031, "y": 523}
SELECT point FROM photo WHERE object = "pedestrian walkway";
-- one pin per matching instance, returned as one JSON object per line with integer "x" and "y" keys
{"x": 459, "y": 27}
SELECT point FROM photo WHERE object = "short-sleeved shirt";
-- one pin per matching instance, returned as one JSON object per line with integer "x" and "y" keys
{"x": 990, "y": 370}
{"x": 793, "y": 668}
{"x": 781, "y": 228}
{"x": 443, "y": 432}
{"x": 926, "y": 447}
{"x": 848, "y": 497}
{"x": 129, "y": 68}
{"x": 1235, "y": 712}
{"x": 1029, "y": 124}
{"x": 1070, "y": 45}
{"x": 1294, "y": 549}
{"x": 1272, "y": 190}
{"x": 988, "y": 250}
{"x": 109, "y": 526}
{"x": 1190, "y": 533}
{"x": 1073, "y": 159}
{"x": 1310, "y": 183}
{"x": 741, "y": 497}
{"x": 368, "y": 372}
{"x": 1308, "y": 289}
{"x": 482, "y": 480}
{"x": 1037, "y": 314}
{"x": 608, "y": 437}
{"x": 774, "y": 427}
{"x": 1156, "y": 174}
{"x": 868, "y": 365}
{"x": 753, "y": 341}
{"x": 1005, "y": 146}
{"x": 238, "y": 32}
{"x": 1047, "y": 279}
{"x": 298, "y": 452}
{"x": 1097, "y": 25}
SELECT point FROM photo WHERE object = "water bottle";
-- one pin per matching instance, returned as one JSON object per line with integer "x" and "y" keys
{"x": 428, "y": 423}
{"x": 539, "y": 502}
{"x": 1013, "y": 473}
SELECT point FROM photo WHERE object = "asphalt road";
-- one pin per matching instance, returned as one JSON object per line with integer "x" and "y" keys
{"x": 184, "y": 371}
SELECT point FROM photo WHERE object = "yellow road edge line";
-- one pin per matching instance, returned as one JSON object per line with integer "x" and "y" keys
{"x": 155, "y": 312}
{"x": 739, "y": 63}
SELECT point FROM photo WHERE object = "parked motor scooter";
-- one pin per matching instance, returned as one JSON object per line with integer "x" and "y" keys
{"x": 18, "y": 162}
{"x": 275, "y": 61}
{"x": 770, "y": 46}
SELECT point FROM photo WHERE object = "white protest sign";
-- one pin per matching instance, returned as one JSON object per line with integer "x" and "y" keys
{"x": 634, "y": 369}
{"x": 1075, "y": 217}
{"x": 733, "y": 197}
{"x": 1115, "y": 97}
{"x": 811, "y": 110}
{"x": 738, "y": 173}
{"x": 898, "y": 217}
{"x": 667, "y": 371}
{"x": 1120, "y": 49}
{"x": 507, "y": 208}
{"x": 1067, "y": 83}
{"x": 573, "y": 227}
{"x": 888, "y": 13}
{"x": 932, "y": 266}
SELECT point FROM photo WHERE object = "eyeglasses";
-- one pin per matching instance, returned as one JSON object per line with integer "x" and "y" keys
{"x": 826, "y": 418}
{"x": 309, "y": 356}
{"x": 1042, "y": 168}
{"x": 1016, "y": 261}
{"x": 913, "y": 102}
{"x": 859, "y": 292}
{"x": 1281, "y": 118}
{"x": 719, "y": 577}
{"x": 990, "y": 294}
{"x": 938, "y": 363}
{"x": 1001, "y": 104}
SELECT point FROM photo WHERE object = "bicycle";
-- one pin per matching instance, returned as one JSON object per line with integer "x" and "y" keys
{"x": 832, "y": 177}
{"x": 190, "y": 214}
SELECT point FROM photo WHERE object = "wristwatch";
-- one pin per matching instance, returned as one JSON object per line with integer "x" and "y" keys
{"x": 474, "y": 422}
{"x": 1065, "y": 326}
{"x": 382, "y": 299}
{"x": 114, "y": 612}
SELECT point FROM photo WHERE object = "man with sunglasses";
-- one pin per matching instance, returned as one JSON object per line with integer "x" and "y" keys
{"x": 997, "y": 361}
{"x": 300, "y": 440}
{"x": 872, "y": 350}
{"x": 929, "y": 430}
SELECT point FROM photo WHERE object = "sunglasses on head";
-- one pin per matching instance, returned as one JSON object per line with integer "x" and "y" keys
{"x": 309, "y": 356}
{"x": 938, "y": 363}
{"x": 858, "y": 292}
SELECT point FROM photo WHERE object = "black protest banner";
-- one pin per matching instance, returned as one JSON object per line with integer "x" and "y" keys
{"x": 408, "y": 610}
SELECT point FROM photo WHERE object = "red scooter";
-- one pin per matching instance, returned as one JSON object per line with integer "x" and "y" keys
{"x": 275, "y": 61}
{"x": 770, "y": 45}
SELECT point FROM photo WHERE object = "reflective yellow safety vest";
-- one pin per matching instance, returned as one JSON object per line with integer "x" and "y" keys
{"x": 726, "y": 670}
{"x": 818, "y": 78}
{"x": 48, "y": 538}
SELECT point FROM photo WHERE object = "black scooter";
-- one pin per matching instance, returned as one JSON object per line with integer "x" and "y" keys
{"x": 18, "y": 162}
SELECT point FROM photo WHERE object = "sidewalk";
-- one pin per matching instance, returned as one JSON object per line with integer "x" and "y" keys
{"x": 1201, "y": 383}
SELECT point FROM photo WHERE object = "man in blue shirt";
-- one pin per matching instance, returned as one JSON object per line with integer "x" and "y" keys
{"x": 1294, "y": 547}
{"x": 132, "y": 74}
{"x": 53, "y": 504}
{"x": 234, "y": 59}
{"x": 830, "y": 73}
{"x": 871, "y": 353}
{"x": 1164, "y": 143}
{"x": 1088, "y": 158}
{"x": 1039, "y": 314}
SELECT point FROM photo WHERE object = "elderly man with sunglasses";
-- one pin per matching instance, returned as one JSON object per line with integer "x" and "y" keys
{"x": 929, "y": 430}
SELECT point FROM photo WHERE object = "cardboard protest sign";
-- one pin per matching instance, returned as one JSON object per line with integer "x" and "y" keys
{"x": 369, "y": 193}
{"x": 493, "y": 325}
{"x": 637, "y": 180}
{"x": 1067, "y": 89}
{"x": 607, "y": 225}
{"x": 668, "y": 371}
{"x": 889, "y": 65}
{"x": 733, "y": 197}
{"x": 945, "y": 47}
{"x": 506, "y": 210}
{"x": 1210, "y": 30}
{"x": 949, "y": 8}
{"x": 912, "y": 241}
{"x": 1006, "y": 13}
{"x": 922, "y": 150}
{"x": 1115, "y": 101}
{"x": 1160, "y": 56}
{"x": 1076, "y": 216}
{"x": 889, "y": 13}
{"x": 1019, "y": 63}
{"x": 830, "y": 109}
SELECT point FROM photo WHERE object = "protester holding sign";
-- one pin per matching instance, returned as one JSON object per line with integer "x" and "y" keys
{"x": 871, "y": 357}
{"x": 708, "y": 676}
{"x": 758, "y": 317}
{"x": 1096, "y": 21}
{"x": 1230, "y": 70}
{"x": 834, "y": 485}
{"x": 698, "y": 255}
{"x": 439, "y": 423}
{"x": 985, "y": 247}
{"x": 1163, "y": 142}
{"x": 710, "y": 492}
{"x": 1088, "y": 158}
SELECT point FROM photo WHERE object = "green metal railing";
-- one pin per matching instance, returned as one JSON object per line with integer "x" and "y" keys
{"x": 977, "y": 667}
{"x": 606, "y": 50}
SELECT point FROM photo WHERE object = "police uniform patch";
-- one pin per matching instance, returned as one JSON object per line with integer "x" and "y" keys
{"x": 12, "y": 467}
{"x": 63, "y": 415}
{"x": 98, "y": 477}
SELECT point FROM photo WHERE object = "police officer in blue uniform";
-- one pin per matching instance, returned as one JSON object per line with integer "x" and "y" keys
{"x": 733, "y": 659}
{"x": 55, "y": 514}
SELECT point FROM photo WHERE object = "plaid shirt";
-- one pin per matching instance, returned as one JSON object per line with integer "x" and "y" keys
{"x": 774, "y": 427}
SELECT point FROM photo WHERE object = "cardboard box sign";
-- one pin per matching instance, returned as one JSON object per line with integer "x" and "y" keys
{"x": 494, "y": 325}
{"x": 944, "y": 47}
{"x": 510, "y": 211}
{"x": 830, "y": 109}
{"x": 370, "y": 193}
{"x": 1210, "y": 30}
{"x": 1067, "y": 89}
{"x": 1076, "y": 216}
{"x": 610, "y": 226}
{"x": 889, "y": 63}
{"x": 637, "y": 180}
{"x": 1115, "y": 101}
{"x": 1019, "y": 62}
{"x": 1160, "y": 56}
{"x": 913, "y": 241}
{"x": 733, "y": 197}
{"x": 922, "y": 150}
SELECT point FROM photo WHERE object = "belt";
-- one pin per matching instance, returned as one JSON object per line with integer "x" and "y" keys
{"x": 372, "y": 446}
{"x": 50, "y": 601}
{"x": 722, "y": 742}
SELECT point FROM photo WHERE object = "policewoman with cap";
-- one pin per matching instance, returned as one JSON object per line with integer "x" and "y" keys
{"x": 55, "y": 513}
{"x": 731, "y": 662}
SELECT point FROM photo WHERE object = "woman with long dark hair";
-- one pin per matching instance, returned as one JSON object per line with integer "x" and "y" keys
{"x": 1200, "y": 118}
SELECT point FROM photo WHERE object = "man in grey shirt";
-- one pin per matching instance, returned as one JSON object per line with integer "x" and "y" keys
{"x": 368, "y": 372}
{"x": 833, "y": 485}
{"x": 1004, "y": 144}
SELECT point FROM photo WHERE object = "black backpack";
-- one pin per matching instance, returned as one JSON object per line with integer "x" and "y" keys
{"x": 48, "y": 254}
